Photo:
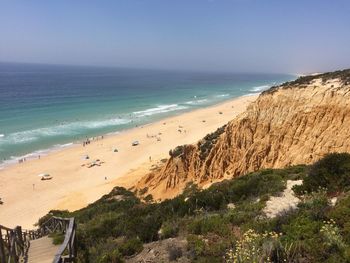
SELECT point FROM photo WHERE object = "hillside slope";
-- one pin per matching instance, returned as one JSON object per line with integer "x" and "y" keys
{"x": 296, "y": 122}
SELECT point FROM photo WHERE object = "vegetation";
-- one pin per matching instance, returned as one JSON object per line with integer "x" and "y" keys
{"x": 331, "y": 173}
{"x": 206, "y": 144}
{"x": 112, "y": 229}
{"x": 343, "y": 75}
{"x": 179, "y": 150}
{"x": 57, "y": 238}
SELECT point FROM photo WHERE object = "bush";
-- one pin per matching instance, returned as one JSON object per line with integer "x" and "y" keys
{"x": 331, "y": 234}
{"x": 102, "y": 252}
{"x": 316, "y": 205}
{"x": 131, "y": 247}
{"x": 206, "y": 144}
{"x": 179, "y": 150}
{"x": 113, "y": 256}
{"x": 212, "y": 224}
{"x": 245, "y": 212}
{"x": 57, "y": 238}
{"x": 169, "y": 229}
{"x": 332, "y": 173}
{"x": 341, "y": 214}
{"x": 148, "y": 198}
{"x": 196, "y": 245}
{"x": 253, "y": 247}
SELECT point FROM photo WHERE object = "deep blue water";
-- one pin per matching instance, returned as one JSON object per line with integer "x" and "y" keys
{"x": 45, "y": 106}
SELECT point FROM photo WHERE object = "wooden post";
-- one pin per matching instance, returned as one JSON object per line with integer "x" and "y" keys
{"x": 13, "y": 249}
{"x": 20, "y": 242}
{"x": 2, "y": 249}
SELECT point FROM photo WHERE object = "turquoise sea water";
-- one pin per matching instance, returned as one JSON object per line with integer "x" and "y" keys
{"x": 47, "y": 107}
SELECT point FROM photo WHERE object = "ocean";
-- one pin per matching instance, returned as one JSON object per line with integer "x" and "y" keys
{"x": 47, "y": 107}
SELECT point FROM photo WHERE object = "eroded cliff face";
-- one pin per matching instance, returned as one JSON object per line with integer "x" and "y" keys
{"x": 295, "y": 123}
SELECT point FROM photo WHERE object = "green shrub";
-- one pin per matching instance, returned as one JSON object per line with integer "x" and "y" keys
{"x": 341, "y": 214}
{"x": 102, "y": 251}
{"x": 331, "y": 235}
{"x": 196, "y": 245}
{"x": 245, "y": 212}
{"x": 57, "y": 238}
{"x": 179, "y": 150}
{"x": 130, "y": 247}
{"x": 169, "y": 229}
{"x": 253, "y": 247}
{"x": 316, "y": 205}
{"x": 148, "y": 198}
{"x": 212, "y": 224}
{"x": 206, "y": 144}
{"x": 113, "y": 256}
{"x": 302, "y": 227}
{"x": 331, "y": 172}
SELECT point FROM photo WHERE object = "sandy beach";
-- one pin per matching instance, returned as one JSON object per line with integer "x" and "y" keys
{"x": 26, "y": 197}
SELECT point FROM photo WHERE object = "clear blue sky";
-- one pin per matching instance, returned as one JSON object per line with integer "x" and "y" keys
{"x": 228, "y": 35}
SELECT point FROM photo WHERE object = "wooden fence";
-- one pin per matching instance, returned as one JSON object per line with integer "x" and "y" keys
{"x": 14, "y": 243}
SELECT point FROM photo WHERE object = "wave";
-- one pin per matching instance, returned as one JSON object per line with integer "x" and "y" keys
{"x": 259, "y": 88}
{"x": 195, "y": 102}
{"x": 250, "y": 94}
{"x": 222, "y": 95}
{"x": 34, "y": 155}
{"x": 159, "y": 109}
{"x": 73, "y": 128}
{"x": 2, "y": 135}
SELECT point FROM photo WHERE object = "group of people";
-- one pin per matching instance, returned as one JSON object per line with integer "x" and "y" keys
{"x": 22, "y": 160}
{"x": 155, "y": 136}
{"x": 88, "y": 140}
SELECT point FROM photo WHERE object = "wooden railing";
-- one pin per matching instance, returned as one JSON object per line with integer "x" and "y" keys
{"x": 14, "y": 243}
{"x": 68, "y": 249}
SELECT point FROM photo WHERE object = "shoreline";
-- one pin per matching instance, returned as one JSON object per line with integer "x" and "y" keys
{"x": 74, "y": 185}
{"x": 59, "y": 147}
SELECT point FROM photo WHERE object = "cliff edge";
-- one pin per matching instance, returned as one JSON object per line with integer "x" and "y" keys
{"x": 295, "y": 123}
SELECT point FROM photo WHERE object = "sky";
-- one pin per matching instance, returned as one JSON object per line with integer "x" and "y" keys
{"x": 296, "y": 36}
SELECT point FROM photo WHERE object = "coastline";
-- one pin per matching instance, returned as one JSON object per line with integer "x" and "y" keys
{"x": 74, "y": 185}
{"x": 59, "y": 147}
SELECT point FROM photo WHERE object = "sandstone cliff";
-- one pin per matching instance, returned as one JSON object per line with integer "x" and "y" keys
{"x": 294, "y": 123}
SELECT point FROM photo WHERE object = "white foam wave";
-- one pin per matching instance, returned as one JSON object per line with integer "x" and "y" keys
{"x": 33, "y": 155}
{"x": 60, "y": 129}
{"x": 2, "y": 135}
{"x": 259, "y": 88}
{"x": 222, "y": 95}
{"x": 195, "y": 102}
{"x": 159, "y": 109}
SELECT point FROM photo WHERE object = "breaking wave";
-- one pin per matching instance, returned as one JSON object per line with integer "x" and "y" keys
{"x": 159, "y": 109}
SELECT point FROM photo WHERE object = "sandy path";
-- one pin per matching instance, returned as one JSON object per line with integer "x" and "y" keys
{"x": 74, "y": 186}
{"x": 276, "y": 205}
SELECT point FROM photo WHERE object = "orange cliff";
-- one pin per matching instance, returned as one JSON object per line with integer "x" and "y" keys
{"x": 294, "y": 123}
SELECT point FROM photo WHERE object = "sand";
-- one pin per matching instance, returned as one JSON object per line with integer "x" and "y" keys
{"x": 277, "y": 205}
{"x": 73, "y": 186}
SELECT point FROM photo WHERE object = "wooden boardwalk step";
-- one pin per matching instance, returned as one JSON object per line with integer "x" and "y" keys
{"x": 42, "y": 250}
